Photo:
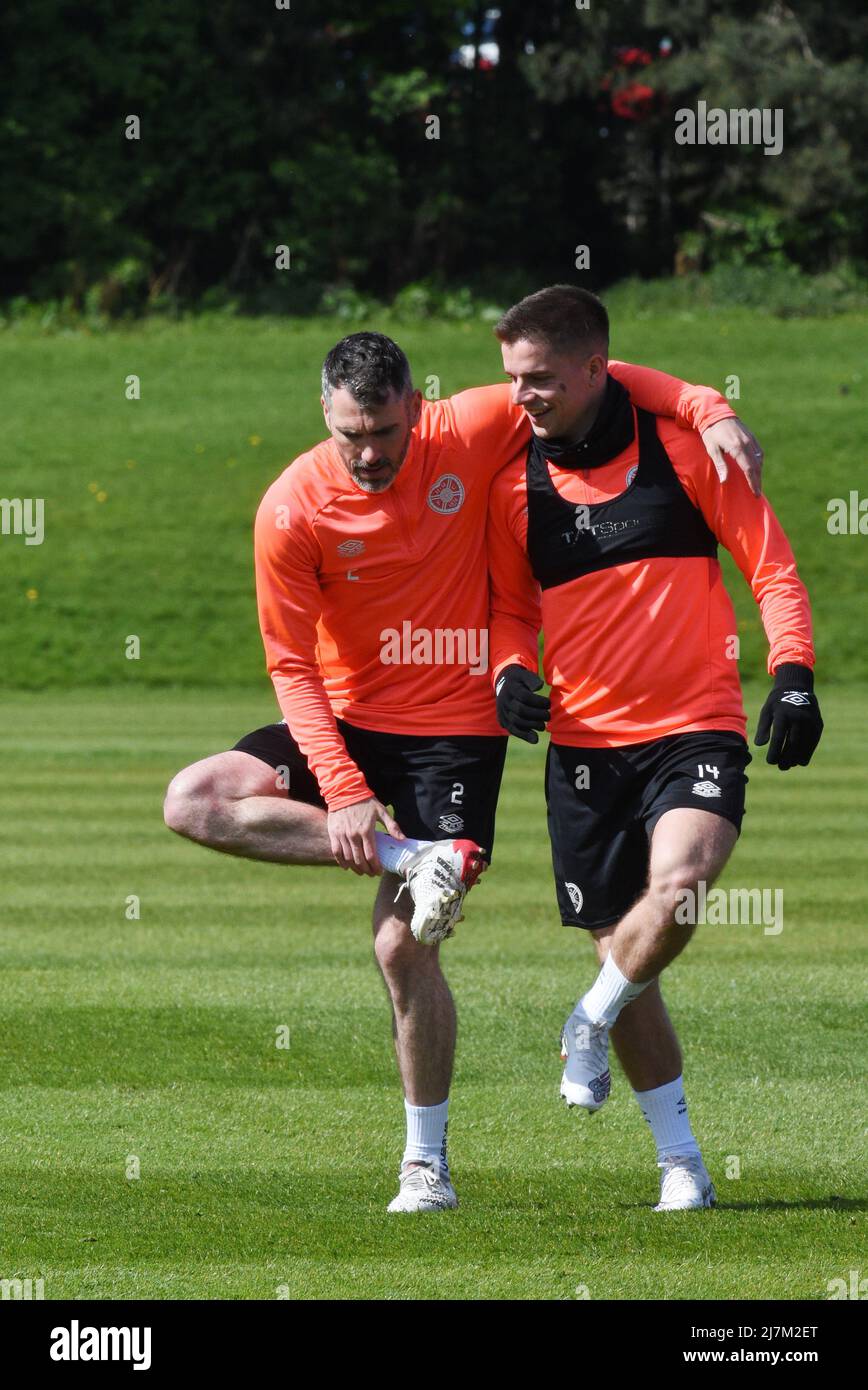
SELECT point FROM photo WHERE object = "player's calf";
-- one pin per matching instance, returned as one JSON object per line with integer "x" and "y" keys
{"x": 424, "y": 1029}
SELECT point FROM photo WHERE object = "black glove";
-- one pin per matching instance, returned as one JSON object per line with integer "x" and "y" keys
{"x": 792, "y": 716}
{"x": 519, "y": 711}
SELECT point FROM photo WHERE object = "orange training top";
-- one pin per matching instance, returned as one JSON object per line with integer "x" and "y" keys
{"x": 643, "y": 649}
{"x": 375, "y": 606}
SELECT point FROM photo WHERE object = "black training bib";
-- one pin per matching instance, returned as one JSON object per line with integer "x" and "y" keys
{"x": 653, "y": 517}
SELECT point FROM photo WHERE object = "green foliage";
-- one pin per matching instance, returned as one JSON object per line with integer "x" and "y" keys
{"x": 309, "y": 128}
{"x": 347, "y": 305}
{"x": 429, "y": 299}
{"x": 808, "y": 203}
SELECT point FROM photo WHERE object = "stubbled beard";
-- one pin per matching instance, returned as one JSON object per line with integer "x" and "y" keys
{"x": 373, "y": 484}
{"x": 378, "y": 484}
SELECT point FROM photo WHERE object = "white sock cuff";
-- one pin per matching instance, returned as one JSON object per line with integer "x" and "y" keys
{"x": 609, "y": 993}
{"x": 426, "y": 1134}
{"x": 665, "y": 1109}
{"x": 395, "y": 853}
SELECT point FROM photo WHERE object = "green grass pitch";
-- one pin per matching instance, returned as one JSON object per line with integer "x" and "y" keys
{"x": 266, "y": 1172}
{"x": 154, "y": 1140}
{"x": 149, "y": 503}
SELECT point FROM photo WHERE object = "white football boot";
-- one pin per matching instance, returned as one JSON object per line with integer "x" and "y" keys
{"x": 685, "y": 1184}
{"x": 438, "y": 878}
{"x": 586, "y": 1081}
{"x": 424, "y": 1188}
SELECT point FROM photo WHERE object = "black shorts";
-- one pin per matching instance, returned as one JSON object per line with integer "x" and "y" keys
{"x": 439, "y": 787}
{"x": 603, "y": 804}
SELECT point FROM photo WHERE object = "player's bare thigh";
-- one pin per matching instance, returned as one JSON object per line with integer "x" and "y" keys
{"x": 687, "y": 846}
{"x": 218, "y": 802}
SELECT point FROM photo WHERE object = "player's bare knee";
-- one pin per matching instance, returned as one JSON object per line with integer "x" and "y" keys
{"x": 672, "y": 887}
{"x": 399, "y": 955}
{"x": 191, "y": 805}
{"x": 176, "y": 805}
{"x": 393, "y": 947}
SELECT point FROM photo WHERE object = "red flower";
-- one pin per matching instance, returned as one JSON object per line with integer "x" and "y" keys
{"x": 634, "y": 101}
{"x": 633, "y": 57}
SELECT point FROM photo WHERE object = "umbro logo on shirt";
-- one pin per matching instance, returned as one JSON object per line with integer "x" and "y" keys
{"x": 706, "y": 789}
{"x": 351, "y": 547}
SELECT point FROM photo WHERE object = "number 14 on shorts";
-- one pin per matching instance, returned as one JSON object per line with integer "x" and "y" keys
{"x": 707, "y": 770}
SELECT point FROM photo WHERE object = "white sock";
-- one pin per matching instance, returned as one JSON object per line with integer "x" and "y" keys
{"x": 395, "y": 853}
{"x": 609, "y": 993}
{"x": 665, "y": 1109}
{"x": 426, "y": 1134}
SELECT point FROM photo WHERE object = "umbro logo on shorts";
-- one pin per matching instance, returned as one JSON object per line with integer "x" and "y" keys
{"x": 451, "y": 824}
{"x": 795, "y": 697}
{"x": 576, "y": 897}
{"x": 351, "y": 547}
{"x": 447, "y": 494}
{"x": 706, "y": 789}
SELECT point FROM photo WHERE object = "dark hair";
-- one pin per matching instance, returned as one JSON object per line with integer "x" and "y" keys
{"x": 563, "y": 317}
{"x": 368, "y": 365}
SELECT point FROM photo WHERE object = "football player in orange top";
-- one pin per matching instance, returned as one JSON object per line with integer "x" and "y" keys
{"x": 373, "y": 600}
{"x": 606, "y": 532}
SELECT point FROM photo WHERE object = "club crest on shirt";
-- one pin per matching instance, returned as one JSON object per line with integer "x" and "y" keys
{"x": 631, "y": 473}
{"x": 446, "y": 495}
